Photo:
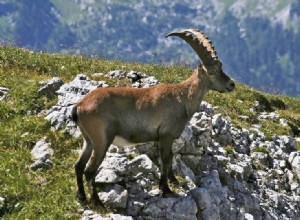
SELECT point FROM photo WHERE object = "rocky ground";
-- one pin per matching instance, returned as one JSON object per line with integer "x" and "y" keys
{"x": 224, "y": 172}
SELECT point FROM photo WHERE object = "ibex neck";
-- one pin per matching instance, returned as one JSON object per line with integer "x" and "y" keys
{"x": 196, "y": 88}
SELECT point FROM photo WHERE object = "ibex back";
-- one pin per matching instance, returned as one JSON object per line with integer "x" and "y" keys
{"x": 158, "y": 114}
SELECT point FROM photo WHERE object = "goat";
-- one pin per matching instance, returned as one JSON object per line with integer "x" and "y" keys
{"x": 157, "y": 114}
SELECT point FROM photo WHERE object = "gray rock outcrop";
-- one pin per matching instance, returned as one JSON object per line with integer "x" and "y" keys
{"x": 138, "y": 79}
{"x": 3, "y": 93}
{"x": 224, "y": 172}
{"x": 50, "y": 87}
{"x": 41, "y": 154}
{"x": 68, "y": 95}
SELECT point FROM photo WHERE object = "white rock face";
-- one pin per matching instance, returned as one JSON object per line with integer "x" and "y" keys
{"x": 3, "y": 93}
{"x": 224, "y": 172}
{"x": 171, "y": 208}
{"x": 115, "y": 196}
{"x": 41, "y": 154}
{"x": 296, "y": 165}
{"x": 50, "y": 87}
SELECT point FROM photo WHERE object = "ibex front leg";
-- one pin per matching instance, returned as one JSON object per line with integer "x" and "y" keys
{"x": 79, "y": 169}
{"x": 166, "y": 156}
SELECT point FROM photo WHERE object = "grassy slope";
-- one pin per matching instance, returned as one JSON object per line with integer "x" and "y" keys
{"x": 51, "y": 194}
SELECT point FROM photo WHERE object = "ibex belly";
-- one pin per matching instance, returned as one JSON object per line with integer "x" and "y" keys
{"x": 120, "y": 141}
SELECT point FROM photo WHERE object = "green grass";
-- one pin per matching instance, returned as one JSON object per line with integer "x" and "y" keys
{"x": 298, "y": 146}
{"x": 229, "y": 149}
{"x": 51, "y": 194}
{"x": 261, "y": 149}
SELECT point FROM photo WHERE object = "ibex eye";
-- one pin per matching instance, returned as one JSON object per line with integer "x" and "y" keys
{"x": 214, "y": 72}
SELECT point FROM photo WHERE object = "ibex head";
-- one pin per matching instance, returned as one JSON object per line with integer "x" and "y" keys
{"x": 211, "y": 66}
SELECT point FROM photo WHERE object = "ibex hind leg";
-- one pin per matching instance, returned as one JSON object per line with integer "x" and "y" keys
{"x": 80, "y": 166}
{"x": 101, "y": 144}
{"x": 166, "y": 156}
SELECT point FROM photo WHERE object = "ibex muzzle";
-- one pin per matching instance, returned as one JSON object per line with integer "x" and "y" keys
{"x": 156, "y": 114}
{"x": 218, "y": 80}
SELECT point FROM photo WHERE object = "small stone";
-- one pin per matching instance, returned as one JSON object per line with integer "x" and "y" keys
{"x": 282, "y": 164}
{"x": 98, "y": 75}
{"x": 120, "y": 217}
{"x": 260, "y": 160}
{"x": 2, "y": 202}
{"x": 271, "y": 116}
{"x": 115, "y": 197}
{"x": 39, "y": 164}
{"x": 41, "y": 153}
{"x": 283, "y": 122}
{"x": 249, "y": 216}
{"x": 206, "y": 107}
{"x": 294, "y": 186}
{"x": 292, "y": 156}
{"x": 296, "y": 166}
{"x": 116, "y": 74}
{"x": 171, "y": 208}
{"x": 50, "y": 87}
{"x": 108, "y": 176}
{"x": 3, "y": 93}
{"x": 244, "y": 117}
{"x": 42, "y": 150}
{"x": 88, "y": 212}
{"x": 133, "y": 76}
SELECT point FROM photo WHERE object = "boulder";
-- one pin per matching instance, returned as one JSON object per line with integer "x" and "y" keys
{"x": 295, "y": 162}
{"x": 68, "y": 95}
{"x": 41, "y": 154}
{"x": 3, "y": 93}
{"x": 171, "y": 208}
{"x": 114, "y": 196}
{"x": 50, "y": 87}
{"x": 226, "y": 172}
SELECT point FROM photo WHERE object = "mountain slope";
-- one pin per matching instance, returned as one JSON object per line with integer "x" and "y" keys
{"x": 257, "y": 41}
{"x": 28, "y": 194}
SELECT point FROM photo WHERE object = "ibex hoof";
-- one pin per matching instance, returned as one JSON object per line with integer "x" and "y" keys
{"x": 173, "y": 180}
{"x": 81, "y": 197}
{"x": 96, "y": 201}
{"x": 166, "y": 192}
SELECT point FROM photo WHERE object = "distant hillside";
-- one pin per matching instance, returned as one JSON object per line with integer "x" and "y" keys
{"x": 258, "y": 41}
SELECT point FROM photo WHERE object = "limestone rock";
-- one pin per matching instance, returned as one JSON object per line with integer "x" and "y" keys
{"x": 2, "y": 203}
{"x": 138, "y": 79}
{"x": 227, "y": 172}
{"x": 221, "y": 130}
{"x": 113, "y": 165}
{"x": 296, "y": 165}
{"x": 3, "y": 93}
{"x": 260, "y": 160}
{"x": 115, "y": 196}
{"x": 196, "y": 135}
{"x": 171, "y": 208}
{"x": 50, "y": 87}
{"x": 41, "y": 153}
{"x": 68, "y": 95}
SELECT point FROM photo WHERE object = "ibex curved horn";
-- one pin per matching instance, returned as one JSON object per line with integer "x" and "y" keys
{"x": 200, "y": 43}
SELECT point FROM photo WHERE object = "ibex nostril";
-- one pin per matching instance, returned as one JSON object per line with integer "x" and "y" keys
{"x": 232, "y": 84}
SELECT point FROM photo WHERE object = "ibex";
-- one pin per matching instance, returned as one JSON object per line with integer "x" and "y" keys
{"x": 157, "y": 114}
